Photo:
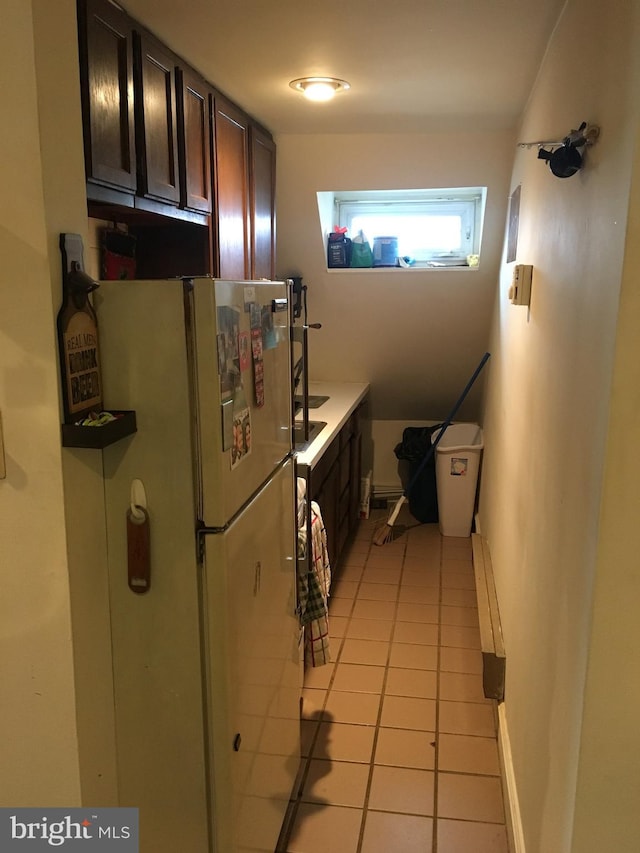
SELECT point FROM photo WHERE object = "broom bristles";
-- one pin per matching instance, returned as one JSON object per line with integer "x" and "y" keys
{"x": 385, "y": 533}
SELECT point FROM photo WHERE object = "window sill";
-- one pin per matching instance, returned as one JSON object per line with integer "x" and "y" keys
{"x": 402, "y": 270}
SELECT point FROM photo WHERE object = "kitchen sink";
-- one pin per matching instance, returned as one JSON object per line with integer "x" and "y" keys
{"x": 315, "y": 427}
{"x": 315, "y": 401}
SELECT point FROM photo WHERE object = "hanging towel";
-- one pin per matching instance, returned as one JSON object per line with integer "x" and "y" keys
{"x": 313, "y": 591}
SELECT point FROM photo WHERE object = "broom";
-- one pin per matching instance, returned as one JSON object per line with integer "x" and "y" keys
{"x": 385, "y": 532}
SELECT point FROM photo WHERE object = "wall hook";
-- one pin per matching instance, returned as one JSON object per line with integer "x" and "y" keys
{"x": 589, "y": 133}
{"x": 138, "y": 540}
{"x": 537, "y": 144}
{"x": 138, "y": 501}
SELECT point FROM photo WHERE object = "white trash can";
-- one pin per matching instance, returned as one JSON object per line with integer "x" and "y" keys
{"x": 457, "y": 464}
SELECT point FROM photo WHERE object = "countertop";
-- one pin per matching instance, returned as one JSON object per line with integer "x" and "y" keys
{"x": 344, "y": 398}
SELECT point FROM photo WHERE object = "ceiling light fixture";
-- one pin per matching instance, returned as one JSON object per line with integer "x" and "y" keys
{"x": 319, "y": 88}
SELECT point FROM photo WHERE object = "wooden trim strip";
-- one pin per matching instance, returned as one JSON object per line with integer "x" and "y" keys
{"x": 491, "y": 639}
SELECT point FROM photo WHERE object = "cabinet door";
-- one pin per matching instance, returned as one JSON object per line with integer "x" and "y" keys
{"x": 194, "y": 141}
{"x": 354, "y": 483}
{"x": 231, "y": 188}
{"x": 156, "y": 121}
{"x": 106, "y": 76}
{"x": 327, "y": 499}
{"x": 263, "y": 219}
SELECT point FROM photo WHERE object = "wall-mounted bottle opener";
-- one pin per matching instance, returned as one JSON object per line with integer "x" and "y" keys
{"x": 138, "y": 540}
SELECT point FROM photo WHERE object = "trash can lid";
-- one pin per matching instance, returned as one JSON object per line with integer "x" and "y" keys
{"x": 458, "y": 436}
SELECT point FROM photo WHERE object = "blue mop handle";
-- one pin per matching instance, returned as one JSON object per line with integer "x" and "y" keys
{"x": 447, "y": 424}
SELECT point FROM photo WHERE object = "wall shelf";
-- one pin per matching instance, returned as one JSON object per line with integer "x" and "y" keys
{"x": 97, "y": 437}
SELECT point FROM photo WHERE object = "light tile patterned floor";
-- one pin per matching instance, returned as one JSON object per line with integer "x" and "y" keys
{"x": 398, "y": 742}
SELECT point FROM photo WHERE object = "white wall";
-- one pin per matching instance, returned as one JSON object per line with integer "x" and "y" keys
{"x": 546, "y": 425}
{"x": 39, "y": 761}
{"x": 57, "y": 71}
{"x": 58, "y": 703}
{"x": 608, "y": 792}
{"x": 414, "y": 335}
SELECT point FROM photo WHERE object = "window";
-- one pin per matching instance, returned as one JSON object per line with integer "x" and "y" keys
{"x": 437, "y": 227}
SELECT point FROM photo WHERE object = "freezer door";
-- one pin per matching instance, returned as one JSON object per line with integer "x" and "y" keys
{"x": 156, "y": 637}
{"x": 240, "y": 334}
{"x": 253, "y": 690}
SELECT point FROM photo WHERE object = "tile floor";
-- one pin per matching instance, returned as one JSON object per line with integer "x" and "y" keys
{"x": 398, "y": 742}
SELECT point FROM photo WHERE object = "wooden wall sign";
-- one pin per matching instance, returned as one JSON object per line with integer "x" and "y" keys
{"x": 78, "y": 336}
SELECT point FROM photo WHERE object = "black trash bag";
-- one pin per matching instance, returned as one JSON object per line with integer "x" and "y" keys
{"x": 423, "y": 496}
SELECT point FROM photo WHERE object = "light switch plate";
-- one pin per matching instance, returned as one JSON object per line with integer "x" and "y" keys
{"x": 520, "y": 290}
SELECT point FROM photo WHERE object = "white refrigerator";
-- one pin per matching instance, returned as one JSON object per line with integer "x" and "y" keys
{"x": 205, "y": 654}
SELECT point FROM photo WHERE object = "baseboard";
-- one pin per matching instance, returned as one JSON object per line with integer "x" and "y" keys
{"x": 511, "y": 803}
{"x": 378, "y": 502}
{"x": 388, "y": 491}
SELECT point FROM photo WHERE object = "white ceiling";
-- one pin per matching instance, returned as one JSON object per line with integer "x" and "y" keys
{"x": 413, "y": 65}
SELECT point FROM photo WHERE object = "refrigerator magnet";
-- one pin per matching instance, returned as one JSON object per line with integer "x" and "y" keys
{"x": 244, "y": 346}
{"x": 269, "y": 339}
{"x": 226, "y": 410}
{"x": 241, "y": 446}
{"x": 255, "y": 316}
{"x": 249, "y": 297}
{"x": 228, "y": 333}
{"x": 258, "y": 366}
{"x": 222, "y": 354}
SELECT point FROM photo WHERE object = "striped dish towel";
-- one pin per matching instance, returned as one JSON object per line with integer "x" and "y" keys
{"x": 313, "y": 593}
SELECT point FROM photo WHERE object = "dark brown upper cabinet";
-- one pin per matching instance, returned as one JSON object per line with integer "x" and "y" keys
{"x": 190, "y": 173}
{"x": 194, "y": 140}
{"x": 106, "y": 76}
{"x": 156, "y": 120}
{"x": 231, "y": 129}
{"x": 262, "y": 181}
